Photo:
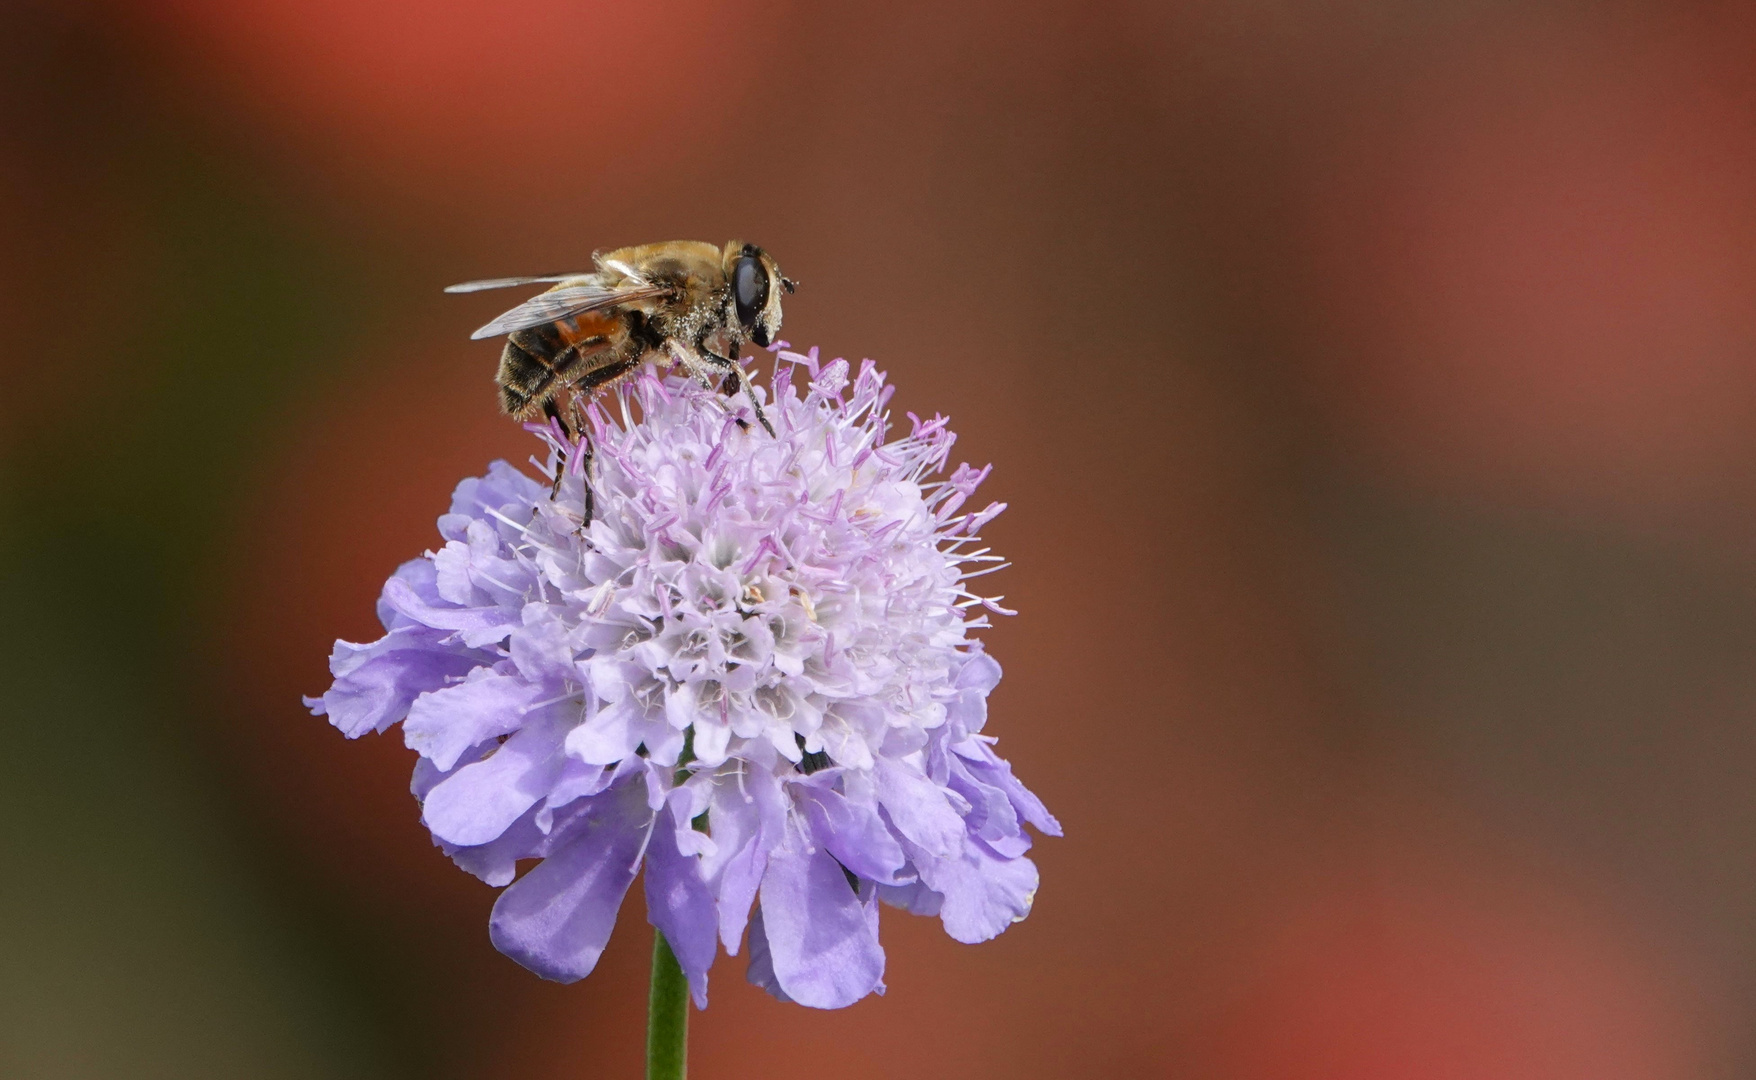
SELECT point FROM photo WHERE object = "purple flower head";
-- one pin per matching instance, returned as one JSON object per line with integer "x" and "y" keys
{"x": 752, "y": 673}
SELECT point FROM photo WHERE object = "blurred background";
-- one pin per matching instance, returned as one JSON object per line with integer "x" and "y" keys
{"x": 1371, "y": 383}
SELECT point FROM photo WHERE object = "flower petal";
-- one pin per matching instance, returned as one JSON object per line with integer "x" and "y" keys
{"x": 680, "y": 905}
{"x": 496, "y": 862}
{"x": 477, "y": 626}
{"x": 711, "y": 740}
{"x": 375, "y": 684}
{"x": 556, "y": 919}
{"x": 745, "y": 824}
{"x": 612, "y": 733}
{"x": 918, "y": 807}
{"x": 451, "y": 566}
{"x": 853, "y": 833}
{"x": 539, "y": 647}
{"x": 761, "y": 970}
{"x": 992, "y": 816}
{"x": 844, "y": 742}
{"x": 914, "y": 898}
{"x": 576, "y": 781}
{"x": 989, "y": 767}
{"x": 821, "y": 943}
{"x": 984, "y": 894}
{"x": 480, "y": 801}
{"x": 502, "y": 489}
{"x": 444, "y": 723}
{"x": 980, "y": 672}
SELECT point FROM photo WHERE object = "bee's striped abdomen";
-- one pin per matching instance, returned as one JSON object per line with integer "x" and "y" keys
{"x": 526, "y": 370}
{"x": 537, "y": 361}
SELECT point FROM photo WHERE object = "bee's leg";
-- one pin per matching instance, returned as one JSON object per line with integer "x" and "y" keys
{"x": 744, "y": 383}
{"x": 587, "y": 386}
{"x": 740, "y": 381}
{"x": 691, "y": 362}
{"x": 576, "y": 411}
{"x": 588, "y": 503}
{"x": 553, "y": 412}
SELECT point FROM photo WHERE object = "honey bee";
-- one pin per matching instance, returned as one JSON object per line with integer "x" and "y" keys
{"x": 683, "y": 302}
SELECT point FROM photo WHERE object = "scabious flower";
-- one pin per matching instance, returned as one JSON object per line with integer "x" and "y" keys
{"x": 752, "y": 673}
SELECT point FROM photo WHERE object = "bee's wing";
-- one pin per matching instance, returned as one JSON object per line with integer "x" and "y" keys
{"x": 563, "y": 303}
{"x": 509, "y": 282}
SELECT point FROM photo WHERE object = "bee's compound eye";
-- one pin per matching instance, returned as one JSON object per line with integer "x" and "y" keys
{"x": 749, "y": 289}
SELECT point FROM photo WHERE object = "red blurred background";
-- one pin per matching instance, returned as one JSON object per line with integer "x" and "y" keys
{"x": 1372, "y": 387}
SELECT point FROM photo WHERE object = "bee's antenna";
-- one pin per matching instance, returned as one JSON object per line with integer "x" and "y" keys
{"x": 789, "y": 285}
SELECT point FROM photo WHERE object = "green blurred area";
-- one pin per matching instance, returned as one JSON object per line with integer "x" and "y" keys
{"x": 146, "y": 924}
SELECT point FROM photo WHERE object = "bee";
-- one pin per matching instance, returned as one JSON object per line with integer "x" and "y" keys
{"x": 684, "y": 302}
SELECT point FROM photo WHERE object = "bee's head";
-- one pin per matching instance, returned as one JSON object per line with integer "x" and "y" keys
{"x": 756, "y": 284}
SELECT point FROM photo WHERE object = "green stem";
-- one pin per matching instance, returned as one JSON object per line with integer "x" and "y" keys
{"x": 667, "y": 1015}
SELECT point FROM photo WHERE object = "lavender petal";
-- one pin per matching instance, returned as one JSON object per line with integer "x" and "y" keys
{"x": 822, "y": 944}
